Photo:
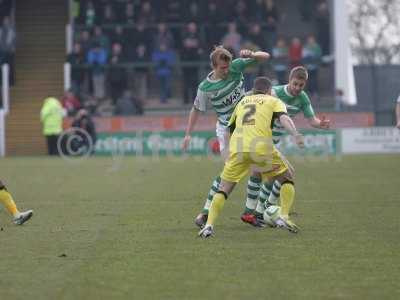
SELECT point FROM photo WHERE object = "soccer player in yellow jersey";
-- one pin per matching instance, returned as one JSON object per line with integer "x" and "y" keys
{"x": 251, "y": 148}
{"x": 8, "y": 202}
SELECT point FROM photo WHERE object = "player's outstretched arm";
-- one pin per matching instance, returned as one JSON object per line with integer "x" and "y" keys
{"x": 193, "y": 116}
{"x": 288, "y": 124}
{"x": 322, "y": 123}
{"x": 259, "y": 56}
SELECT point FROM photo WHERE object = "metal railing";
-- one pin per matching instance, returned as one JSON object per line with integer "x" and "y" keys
{"x": 5, "y": 106}
{"x": 203, "y": 66}
{"x": 5, "y": 88}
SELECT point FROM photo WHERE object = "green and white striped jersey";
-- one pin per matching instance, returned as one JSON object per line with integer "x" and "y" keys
{"x": 223, "y": 94}
{"x": 294, "y": 105}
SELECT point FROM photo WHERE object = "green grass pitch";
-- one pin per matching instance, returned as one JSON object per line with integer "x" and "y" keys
{"x": 123, "y": 229}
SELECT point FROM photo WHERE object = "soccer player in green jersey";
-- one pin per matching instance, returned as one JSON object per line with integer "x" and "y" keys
{"x": 297, "y": 101}
{"x": 223, "y": 88}
{"x": 251, "y": 149}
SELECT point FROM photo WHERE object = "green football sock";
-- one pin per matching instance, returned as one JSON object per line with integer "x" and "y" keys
{"x": 253, "y": 189}
{"x": 275, "y": 193}
{"x": 265, "y": 192}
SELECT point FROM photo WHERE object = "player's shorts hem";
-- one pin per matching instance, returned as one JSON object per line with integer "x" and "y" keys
{"x": 272, "y": 174}
{"x": 236, "y": 180}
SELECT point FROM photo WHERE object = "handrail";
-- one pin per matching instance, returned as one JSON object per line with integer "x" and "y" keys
{"x": 147, "y": 64}
{"x": 5, "y": 91}
{"x": 5, "y": 88}
{"x": 68, "y": 38}
{"x": 181, "y": 63}
{"x": 170, "y": 25}
{"x": 67, "y": 76}
{"x": 2, "y": 134}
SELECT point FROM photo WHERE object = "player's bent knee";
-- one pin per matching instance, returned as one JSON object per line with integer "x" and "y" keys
{"x": 289, "y": 174}
{"x": 290, "y": 171}
{"x": 285, "y": 177}
{"x": 226, "y": 186}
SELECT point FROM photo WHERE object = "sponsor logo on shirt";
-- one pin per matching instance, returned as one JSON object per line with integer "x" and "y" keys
{"x": 233, "y": 98}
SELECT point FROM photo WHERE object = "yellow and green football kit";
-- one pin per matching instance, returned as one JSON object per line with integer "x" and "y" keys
{"x": 251, "y": 145}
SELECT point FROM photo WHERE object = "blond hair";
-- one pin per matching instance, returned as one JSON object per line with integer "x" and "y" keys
{"x": 220, "y": 54}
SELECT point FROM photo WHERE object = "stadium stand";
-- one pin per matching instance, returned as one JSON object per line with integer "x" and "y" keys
{"x": 159, "y": 50}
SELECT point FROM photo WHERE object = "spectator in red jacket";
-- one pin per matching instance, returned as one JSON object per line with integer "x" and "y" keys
{"x": 70, "y": 103}
{"x": 295, "y": 52}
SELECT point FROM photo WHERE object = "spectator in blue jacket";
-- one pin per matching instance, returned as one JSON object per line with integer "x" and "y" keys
{"x": 164, "y": 59}
{"x": 97, "y": 58}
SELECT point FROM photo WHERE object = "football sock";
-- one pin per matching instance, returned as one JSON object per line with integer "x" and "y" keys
{"x": 253, "y": 189}
{"x": 8, "y": 202}
{"x": 262, "y": 203}
{"x": 266, "y": 188}
{"x": 211, "y": 193}
{"x": 287, "y": 198}
{"x": 260, "y": 207}
{"x": 217, "y": 204}
{"x": 274, "y": 195}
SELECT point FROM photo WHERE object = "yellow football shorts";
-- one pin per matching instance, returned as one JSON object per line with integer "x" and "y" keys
{"x": 239, "y": 164}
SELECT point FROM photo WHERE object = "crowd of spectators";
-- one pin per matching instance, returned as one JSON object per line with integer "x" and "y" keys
{"x": 118, "y": 44}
